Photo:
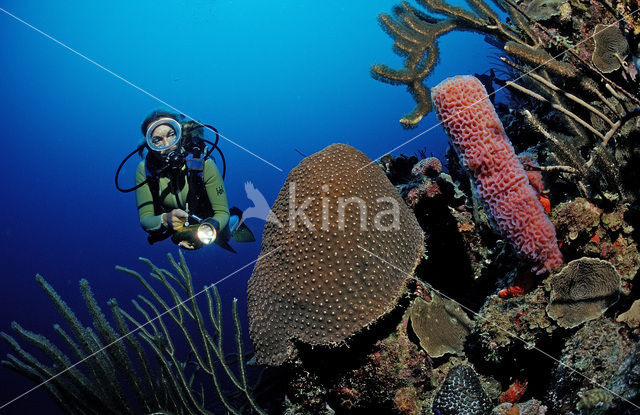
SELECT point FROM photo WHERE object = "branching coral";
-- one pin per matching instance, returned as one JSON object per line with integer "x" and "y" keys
{"x": 587, "y": 117}
{"x": 416, "y": 38}
{"x": 115, "y": 374}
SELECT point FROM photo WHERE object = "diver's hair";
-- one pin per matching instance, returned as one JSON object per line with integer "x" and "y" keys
{"x": 157, "y": 114}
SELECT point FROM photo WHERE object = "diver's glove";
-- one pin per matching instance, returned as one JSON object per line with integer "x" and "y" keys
{"x": 174, "y": 219}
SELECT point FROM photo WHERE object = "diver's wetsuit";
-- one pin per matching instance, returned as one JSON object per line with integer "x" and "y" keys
{"x": 173, "y": 194}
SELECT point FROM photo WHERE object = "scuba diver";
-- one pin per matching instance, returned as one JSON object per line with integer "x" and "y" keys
{"x": 179, "y": 190}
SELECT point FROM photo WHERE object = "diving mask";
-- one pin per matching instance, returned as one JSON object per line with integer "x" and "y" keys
{"x": 165, "y": 137}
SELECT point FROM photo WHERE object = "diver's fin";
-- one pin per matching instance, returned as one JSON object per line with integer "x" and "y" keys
{"x": 223, "y": 243}
{"x": 243, "y": 234}
{"x": 240, "y": 232}
{"x": 235, "y": 211}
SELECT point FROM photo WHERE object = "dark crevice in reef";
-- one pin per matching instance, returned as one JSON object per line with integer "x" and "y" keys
{"x": 448, "y": 267}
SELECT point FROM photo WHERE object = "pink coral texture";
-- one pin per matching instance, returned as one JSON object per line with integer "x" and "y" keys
{"x": 470, "y": 120}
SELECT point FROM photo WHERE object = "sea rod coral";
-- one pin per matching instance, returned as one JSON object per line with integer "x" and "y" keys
{"x": 137, "y": 368}
{"x": 476, "y": 131}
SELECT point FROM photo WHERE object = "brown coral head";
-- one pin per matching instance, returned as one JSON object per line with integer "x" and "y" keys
{"x": 441, "y": 325}
{"x": 631, "y": 316}
{"x": 611, "y": 48}
{"x": 346, "y": 197}
{"x": 541, "y": 10}
{"x": 340, "y": 260}
{"x": 582, "y": 291}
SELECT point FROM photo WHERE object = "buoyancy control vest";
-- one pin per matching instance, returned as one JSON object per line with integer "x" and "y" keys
{"x": 197, "y": 198}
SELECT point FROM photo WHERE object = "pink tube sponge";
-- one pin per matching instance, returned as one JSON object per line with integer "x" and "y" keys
{"x": 470, "y": 120}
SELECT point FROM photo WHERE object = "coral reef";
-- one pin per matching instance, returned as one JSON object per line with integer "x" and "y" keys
{"x": 440, "y": 324}
{"x": 586, "y": 117}
{"x": 475, "y": 129}
{"x": 389, "y": 375}
{"x": 116, "y": 375}
{"x": 384, "y": 368}
{"x": 592, "y": 356}
{"x": 586, "y": 229}
{"x": 461, "y": 394}
{"x": 631, "y": 317}
{"x": 530, "y": 407}
{"x": 575, "y": 113}
{"x": 582, "y": 291}
{"x": 511, "y": 325}
{"x": 340, "y": 260}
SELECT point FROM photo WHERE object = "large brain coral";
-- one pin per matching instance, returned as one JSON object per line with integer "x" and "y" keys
{"x": 340, "y": 260}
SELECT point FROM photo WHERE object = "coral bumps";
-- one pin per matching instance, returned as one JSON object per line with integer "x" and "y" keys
{"x": 337, "y": 260}
{"x": 477, "y": 133}
{"x": 461, "y": 394}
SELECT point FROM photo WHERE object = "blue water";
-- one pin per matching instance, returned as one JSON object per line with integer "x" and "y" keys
{"x": 271, "y": 76}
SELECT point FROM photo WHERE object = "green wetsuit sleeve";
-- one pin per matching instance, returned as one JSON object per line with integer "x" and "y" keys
{"x": 216, "y": 192}
{"x": 149, "y": 221}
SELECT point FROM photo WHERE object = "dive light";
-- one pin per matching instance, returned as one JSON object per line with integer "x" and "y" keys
{"x": 206, "y": 233}
{"x": 200, "y": 233}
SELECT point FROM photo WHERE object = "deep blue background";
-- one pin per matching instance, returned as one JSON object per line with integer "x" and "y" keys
{"x": 272, "y": 76}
